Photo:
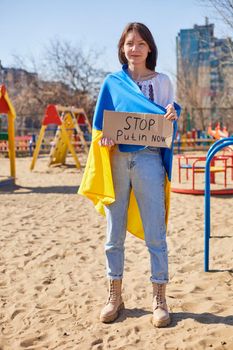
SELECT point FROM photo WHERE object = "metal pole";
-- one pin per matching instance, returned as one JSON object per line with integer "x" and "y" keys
{"x": 212, "y": 151}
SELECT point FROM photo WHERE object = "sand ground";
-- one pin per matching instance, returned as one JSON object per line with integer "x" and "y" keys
{"x": 52, "y": 271}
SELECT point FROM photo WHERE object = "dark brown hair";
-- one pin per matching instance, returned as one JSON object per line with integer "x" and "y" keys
{"x": 146, "y": 35}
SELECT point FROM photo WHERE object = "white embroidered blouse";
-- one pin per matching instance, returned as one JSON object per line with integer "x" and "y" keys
{"x": 158, "y": 89}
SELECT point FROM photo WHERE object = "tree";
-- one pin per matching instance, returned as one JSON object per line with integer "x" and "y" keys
{"x": 204, "y": 76}
{"x": 66, "y": 75}
{"x": 224, "y": 8}
{"x": 193, "y": 94}
{"x": 70, "y": 64}
{"x": 224, "y": 100}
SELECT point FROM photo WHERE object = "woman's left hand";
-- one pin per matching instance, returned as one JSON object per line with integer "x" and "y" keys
{"x": 171, "y": 113}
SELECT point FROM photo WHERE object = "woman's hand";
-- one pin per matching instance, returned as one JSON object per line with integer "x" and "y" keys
{"x": 106, "y": 142}
{"x": 171, "y": 113}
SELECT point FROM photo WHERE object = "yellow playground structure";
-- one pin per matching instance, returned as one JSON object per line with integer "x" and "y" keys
{"x": 7, "y": 108}
{"x": 72, "y": 124}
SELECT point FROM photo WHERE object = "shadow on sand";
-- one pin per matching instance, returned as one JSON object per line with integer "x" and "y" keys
{"x": 176, "y": 317}
{"x": 16, "y": 189}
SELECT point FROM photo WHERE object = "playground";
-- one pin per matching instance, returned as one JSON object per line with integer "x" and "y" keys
{"x": 190, "y": 159}
{"x": 70, "y": 131}
{"x": 52, "y": 238}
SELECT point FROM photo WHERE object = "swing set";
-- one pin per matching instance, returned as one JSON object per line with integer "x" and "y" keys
{"x": 68, "y": 120}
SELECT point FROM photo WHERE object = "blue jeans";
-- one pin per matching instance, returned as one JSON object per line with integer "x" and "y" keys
{"x": 144, "y": 172}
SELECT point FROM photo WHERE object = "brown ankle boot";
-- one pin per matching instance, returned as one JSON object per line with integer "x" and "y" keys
{"x": 161, "y": 316}
{"x": 114, "y": 304}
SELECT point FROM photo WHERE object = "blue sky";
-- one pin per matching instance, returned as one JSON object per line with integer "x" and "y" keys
{"x": 27, "y": 26}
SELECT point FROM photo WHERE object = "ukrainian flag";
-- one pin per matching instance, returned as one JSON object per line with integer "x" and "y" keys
{"x": 121, "y": 94}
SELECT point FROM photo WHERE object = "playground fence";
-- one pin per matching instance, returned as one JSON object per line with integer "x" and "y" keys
{"x": 191, "y": 144}
{"x": 24, "y": 146}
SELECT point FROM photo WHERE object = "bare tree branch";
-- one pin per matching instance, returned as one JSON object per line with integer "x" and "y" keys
{"x": 70, "y": 77}
{"x": 73, "y": 66}
{"x": 224, "y": 8}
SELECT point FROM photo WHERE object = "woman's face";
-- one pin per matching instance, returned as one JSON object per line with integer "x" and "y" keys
{"x": 135, "y": 48}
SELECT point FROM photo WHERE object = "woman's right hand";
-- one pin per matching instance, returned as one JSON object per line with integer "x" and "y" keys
{"x": 106, "y": 142}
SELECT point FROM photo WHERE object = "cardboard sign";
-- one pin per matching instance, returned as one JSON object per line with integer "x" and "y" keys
{"x": 138, "y": 128}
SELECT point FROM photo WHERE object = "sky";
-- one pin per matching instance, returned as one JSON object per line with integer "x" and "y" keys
{"x": 27, "y": 26}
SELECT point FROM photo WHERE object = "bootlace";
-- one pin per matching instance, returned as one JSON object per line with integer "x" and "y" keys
{"x": 159, "y": 296}
{"x": 112, "y": 292}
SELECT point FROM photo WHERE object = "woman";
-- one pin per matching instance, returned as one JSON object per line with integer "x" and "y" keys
{"x": 124, "y": 173}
